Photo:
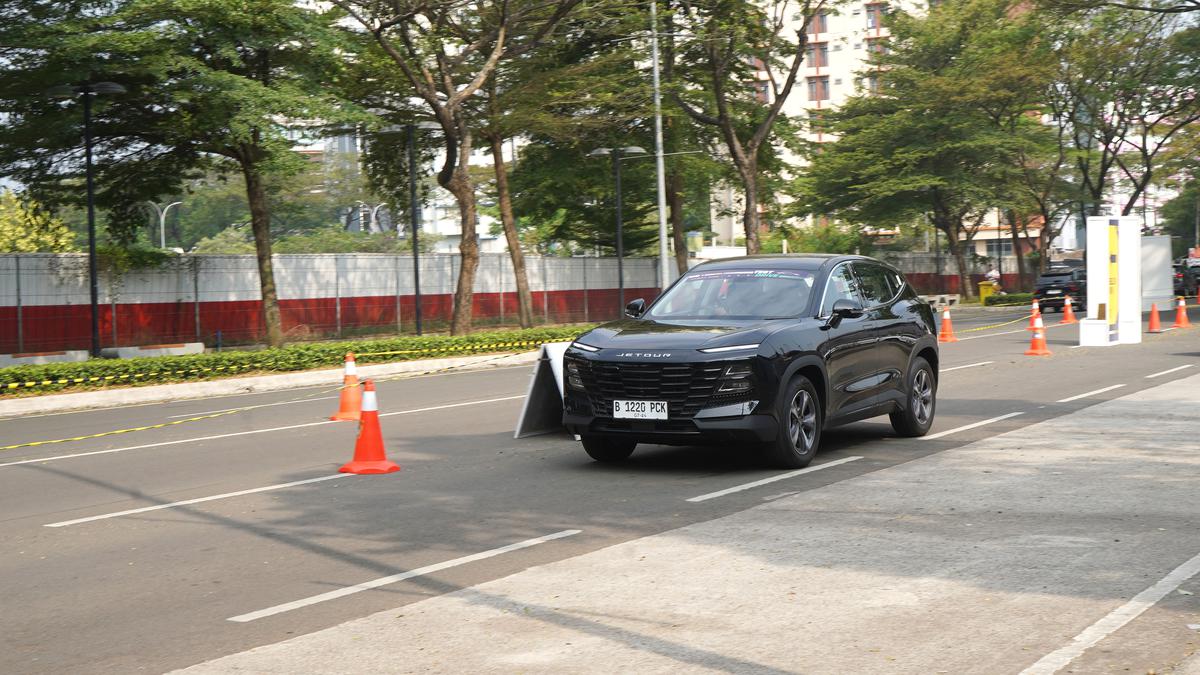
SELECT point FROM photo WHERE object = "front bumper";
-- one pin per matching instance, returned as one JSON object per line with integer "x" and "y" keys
{"x": 755, "y": 428}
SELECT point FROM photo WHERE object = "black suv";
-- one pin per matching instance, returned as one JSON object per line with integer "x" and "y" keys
{"x": 766, "y": 350}
{"x": 1052, "y": 288}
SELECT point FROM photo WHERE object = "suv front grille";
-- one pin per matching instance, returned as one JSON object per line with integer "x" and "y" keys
{"x": 686, "y": 387}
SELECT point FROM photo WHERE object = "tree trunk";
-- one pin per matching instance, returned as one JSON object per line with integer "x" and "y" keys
{"x": 750, "y": 220}
{"x": 956, "y": 250}
{"x": 459, "y": 184}
{"x": 675, "y": 202}
{"x": 260, "y": 223}
{"x": 1016, "y": 244}
{"x": 524, "y": 299}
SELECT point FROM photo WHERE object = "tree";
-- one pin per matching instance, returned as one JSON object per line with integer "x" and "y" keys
{"x": 210, "y": 86}
{"x": 446, "y": 52}
{"x": 1181, "y": 218}
{"x": 25, "y": 227}
{"x": 928, "y": 142}
{"x": 747, "y": 60}
{"x": 1134, "y": 85}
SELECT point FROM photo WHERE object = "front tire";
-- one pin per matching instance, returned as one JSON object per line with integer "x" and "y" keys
{"x": 917, "y": 416}
{"x": 800, "y": 422}
{"x": 608, "y": 450}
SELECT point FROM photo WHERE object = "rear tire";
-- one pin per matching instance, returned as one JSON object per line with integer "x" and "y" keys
{"x": 801, "y": 419}
{"x": 917, "y": 416}
{"x": 608, "y": 450}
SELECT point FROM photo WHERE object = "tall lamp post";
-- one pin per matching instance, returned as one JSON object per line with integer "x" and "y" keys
{"x": 617, "y": 155}
{"x": 162, "y": 221}
{"x": 86, "y": 92}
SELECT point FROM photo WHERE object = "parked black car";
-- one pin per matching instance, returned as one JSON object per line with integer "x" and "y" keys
{"x": 1052, "y": 288}
{"x": 1185, "y": 281}
{"x": 761, "y": 350}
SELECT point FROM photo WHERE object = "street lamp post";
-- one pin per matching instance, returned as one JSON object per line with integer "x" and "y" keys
{"x": 414, "y": 222}
{"x": 87, "y": 91}
{"x": 162, "y": 221}
{"x": 617, "y": 155}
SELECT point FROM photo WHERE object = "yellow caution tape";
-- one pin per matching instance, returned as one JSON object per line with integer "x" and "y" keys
{"x": 995, "y": 325}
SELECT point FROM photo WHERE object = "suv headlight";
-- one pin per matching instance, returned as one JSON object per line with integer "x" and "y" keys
{"x": 736, "y": 379}
{"x": 574, "y": 379}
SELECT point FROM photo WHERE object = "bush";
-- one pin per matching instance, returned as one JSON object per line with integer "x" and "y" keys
{"x": 1009, "y": 299}
{"x": 305, "y": 356}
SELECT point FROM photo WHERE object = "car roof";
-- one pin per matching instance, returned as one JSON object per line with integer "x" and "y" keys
{"x": 803, "y": 261}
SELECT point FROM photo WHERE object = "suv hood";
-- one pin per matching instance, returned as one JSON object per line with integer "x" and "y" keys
{"x": 677, "y": 334}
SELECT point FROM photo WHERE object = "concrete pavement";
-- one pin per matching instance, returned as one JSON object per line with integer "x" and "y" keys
{"x": 984, "y": 559}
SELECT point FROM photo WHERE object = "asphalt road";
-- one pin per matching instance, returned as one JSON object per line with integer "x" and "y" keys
{"x": 155, "y": 590}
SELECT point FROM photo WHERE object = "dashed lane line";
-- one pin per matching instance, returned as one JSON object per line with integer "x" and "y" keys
{"x": 394, "y": 578}
{"x": 772, "y": 479}
{"x": 1169, "y": 371}
{"x": 967, "y": 427}
{"x": 969, "y": 365}
{"x": 1090, "y": 393}
{"x": 198, "y": 500}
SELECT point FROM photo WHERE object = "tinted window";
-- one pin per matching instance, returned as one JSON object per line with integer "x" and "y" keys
{"x": 841, "y": 285}
{"x": 876, "y": 289}
{"x": 736, "y": 294}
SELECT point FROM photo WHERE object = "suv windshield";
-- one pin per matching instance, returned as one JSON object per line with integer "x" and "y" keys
{"x": 736, "y": 294}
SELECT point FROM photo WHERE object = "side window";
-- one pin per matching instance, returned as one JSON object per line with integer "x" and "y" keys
{"x": 841, "y": 284}
{"x": 896, "y": 281}
{"x": 875, "y": 286}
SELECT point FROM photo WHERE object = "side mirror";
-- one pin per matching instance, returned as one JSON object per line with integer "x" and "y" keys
{"x": 844, "y": 309}
{"x": 635, "y": 309}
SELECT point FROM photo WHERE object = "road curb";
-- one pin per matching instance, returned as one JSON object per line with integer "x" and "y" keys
{"x": 162, "y": 393}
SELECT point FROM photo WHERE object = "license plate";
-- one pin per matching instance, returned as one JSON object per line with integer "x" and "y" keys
{"x": 640, "y": 410}
{"x": 1053, "y": 292}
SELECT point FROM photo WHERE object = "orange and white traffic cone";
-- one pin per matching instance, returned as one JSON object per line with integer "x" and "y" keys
{"x": 947, "y": 332}
{"x": 1035, "y": 312}
{"x": 1181, "y": 317}
{"x": 1068, "y": 313}
{"x": 1037, "y": 346}
{"x": 369, "y": 455}
{"x": 350, "y": 401}
{"x": 1155, "y": 326}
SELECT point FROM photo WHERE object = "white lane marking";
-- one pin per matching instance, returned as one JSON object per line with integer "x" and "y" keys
{"x": 452, "y": 405}
{"x": 246, "y": 433}
{"x": 384, "y": 581}
{"x": 197, "y": 500}
{"x": 1090, "y": 393}
{"x": 969, "y": 365}
{"x": 973, "y": 425}
{"x": 1114, "y": 620}
{"x": 1171, "y": 370}
{"x": 249, "y": 407}
{"x": 1010, "y": 332}
{"x": 772, "y": 479}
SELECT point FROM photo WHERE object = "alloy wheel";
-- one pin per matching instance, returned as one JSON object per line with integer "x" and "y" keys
{"x": 802, "y": 421}
{"x": 922, "y": 396}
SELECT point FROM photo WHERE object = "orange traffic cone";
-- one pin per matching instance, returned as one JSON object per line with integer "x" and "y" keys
{"x": 369, "y": 455}
{"x": 1034, "y": 313}
{"x": 947, "y": 332}
{"x": 1181, "y": 317}
{"x": 350, "y": 402}
{"x": 1068, "y": 312}
{"x": 1155, "y": 326}
{"x": 1037, "y": 346}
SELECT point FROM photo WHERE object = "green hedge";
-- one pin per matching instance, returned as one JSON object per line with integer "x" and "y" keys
{"x": 304, "y": 356}
{"x": 1010, "y": 299}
